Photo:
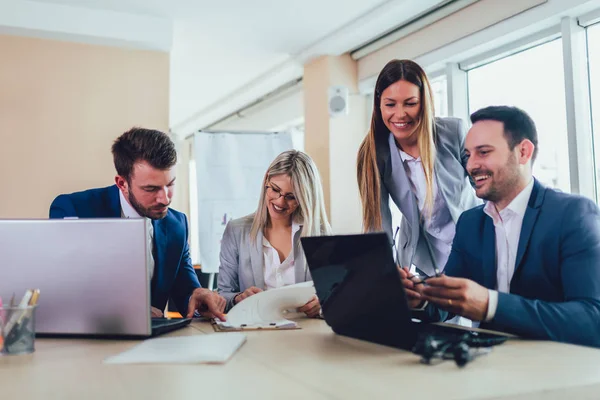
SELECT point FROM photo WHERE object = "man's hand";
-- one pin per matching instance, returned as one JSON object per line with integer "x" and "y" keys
{"x": 208, "y": 303}
{"x": 246, "y": 293}
{"x": 155, "y": 313}
{"x": 413, "y": 292}
{"x": 312, "y": 308}
{"x": 457, "y": 295}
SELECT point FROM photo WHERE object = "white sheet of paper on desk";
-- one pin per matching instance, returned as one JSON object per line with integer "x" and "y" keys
{"x": 213, "y": 348}
{"x": 271, "y": 307}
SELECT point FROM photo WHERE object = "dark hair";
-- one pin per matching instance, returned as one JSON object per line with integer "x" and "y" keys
{"x": 139, "y": 144}
{"x": 518, "y": 125}
{"x": 392, "y": 72}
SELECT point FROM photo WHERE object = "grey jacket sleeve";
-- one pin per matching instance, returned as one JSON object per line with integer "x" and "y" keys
{"x": 229, "y": 268}
{"x": 462, "y": 134}
{"x": 461, "y": 130}
{"x": 386, "y": 213}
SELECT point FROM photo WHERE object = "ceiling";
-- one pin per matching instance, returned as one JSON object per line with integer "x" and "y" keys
{"x": 222, "y": 49}
{"x": 230, "y": 45}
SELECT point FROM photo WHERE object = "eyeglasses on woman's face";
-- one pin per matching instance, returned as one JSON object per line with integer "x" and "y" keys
{"x": 275, "y": 193}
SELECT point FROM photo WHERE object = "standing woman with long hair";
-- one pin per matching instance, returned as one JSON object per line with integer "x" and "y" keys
{"x": 262, "y": 251}
{"x": 417, "y": 160}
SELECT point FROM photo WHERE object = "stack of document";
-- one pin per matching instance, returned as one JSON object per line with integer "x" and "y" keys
{"x": 213, "y": 348}
{"x": 271, "y": 309}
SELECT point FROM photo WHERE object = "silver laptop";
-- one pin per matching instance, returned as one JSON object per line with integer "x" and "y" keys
{"x": 91, "y": 273}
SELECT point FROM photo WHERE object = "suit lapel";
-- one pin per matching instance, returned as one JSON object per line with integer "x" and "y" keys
{"x": 531, "y": 214}
{"x": 257, "y": 261}
{"x": 160, "y": 251}
{"x": 489, "y": 253}
{"x": 300, "y": 267}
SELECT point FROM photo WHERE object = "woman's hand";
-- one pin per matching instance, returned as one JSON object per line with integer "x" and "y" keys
{"x": 246, "y": 293}
{"x": 312, "y": 308}
{"x": 412, "y": 287}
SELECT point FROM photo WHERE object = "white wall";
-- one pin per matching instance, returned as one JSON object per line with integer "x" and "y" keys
{"x": 346, "y": 134}
{"x": 279, "y": 111}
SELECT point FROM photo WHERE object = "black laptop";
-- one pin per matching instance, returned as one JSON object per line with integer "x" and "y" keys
{"x": 362, "y": 295}
{"x": 164, "y": 325}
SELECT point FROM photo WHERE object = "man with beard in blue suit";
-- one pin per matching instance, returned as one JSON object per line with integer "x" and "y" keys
{"x": 528, "y": 261}
{"x": 145, "y": 162}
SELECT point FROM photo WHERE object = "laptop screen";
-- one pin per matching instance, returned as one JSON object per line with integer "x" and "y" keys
{"x": 359, "y": 287}
{"x": 100, "y": 261}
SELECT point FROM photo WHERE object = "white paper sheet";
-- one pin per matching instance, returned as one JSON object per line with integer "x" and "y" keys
{"x": 270, "y": 308}
{"x": 213, "y": 348}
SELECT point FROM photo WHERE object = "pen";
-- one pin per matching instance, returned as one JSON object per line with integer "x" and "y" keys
{"x": 34, "y": 297}
{"x": 15, "y": 317}
{"x": 19, "y": 328}
{"x": 9, "y": 312}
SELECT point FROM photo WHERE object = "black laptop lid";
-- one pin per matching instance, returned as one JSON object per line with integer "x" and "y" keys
{"x": 359, "y": 288}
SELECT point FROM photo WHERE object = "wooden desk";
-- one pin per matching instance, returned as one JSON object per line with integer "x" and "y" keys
{"x": 309, "y": 363}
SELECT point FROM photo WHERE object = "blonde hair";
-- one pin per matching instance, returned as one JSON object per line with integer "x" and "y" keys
{"x": 308, "y": 191}
{"x": 368, "y": 174}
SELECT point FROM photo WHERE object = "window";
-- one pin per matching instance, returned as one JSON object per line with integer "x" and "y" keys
{"x": 532, "y": 80}
{"x": 297, "y": 133}
{"x": 193, "y": 217}
{"x": 439, "y": 86}
{"x": 593, "y": 37}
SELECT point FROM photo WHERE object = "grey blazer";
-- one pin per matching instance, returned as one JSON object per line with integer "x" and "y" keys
{"x": 242, "y": 262}
{"x": 451, "y": 178}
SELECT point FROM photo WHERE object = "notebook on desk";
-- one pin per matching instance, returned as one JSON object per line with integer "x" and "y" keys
{"x": 92, "y": 275}
{"x": 361, "y": 293}
{"x": 268, "y": 310}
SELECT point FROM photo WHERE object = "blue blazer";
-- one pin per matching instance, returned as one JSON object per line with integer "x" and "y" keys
{"x": 174, "y": 274}
{"x": 555, "y": 289}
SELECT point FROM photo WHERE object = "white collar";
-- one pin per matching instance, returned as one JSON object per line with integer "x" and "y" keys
{"x": 519, "y": 203}
{"x": 517, "y": 206}
{"x": 295, "y": 228}
{"x": 407, "y": 157}
{"x": 127, "y": 211}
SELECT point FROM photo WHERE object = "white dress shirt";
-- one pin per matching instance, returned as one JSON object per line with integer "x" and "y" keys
{"x": 127, "y": 211}
{"x": 507, "y": 224}
{"x": 277, "y": 273}
{"x": 440, "y": 228}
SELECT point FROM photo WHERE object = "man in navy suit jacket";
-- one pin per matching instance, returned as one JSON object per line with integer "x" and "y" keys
{"x": 528, "y": 261}
{"x": 145, "y": 163}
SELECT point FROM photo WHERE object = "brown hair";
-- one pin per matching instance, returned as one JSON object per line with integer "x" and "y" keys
{"x": 368, "y": 175}
{"x": 139, "y": 144}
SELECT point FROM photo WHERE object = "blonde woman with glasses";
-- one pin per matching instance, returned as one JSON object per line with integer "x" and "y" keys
{"x": 262, "y": 251}
{"x": 417, "y": 160}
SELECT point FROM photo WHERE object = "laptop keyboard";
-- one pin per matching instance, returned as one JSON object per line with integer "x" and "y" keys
{"x": 164, "y": 325}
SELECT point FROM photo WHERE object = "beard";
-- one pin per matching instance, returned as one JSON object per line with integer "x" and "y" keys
{"x": 502, "y": 182}
{"x": 148, "y": 212}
